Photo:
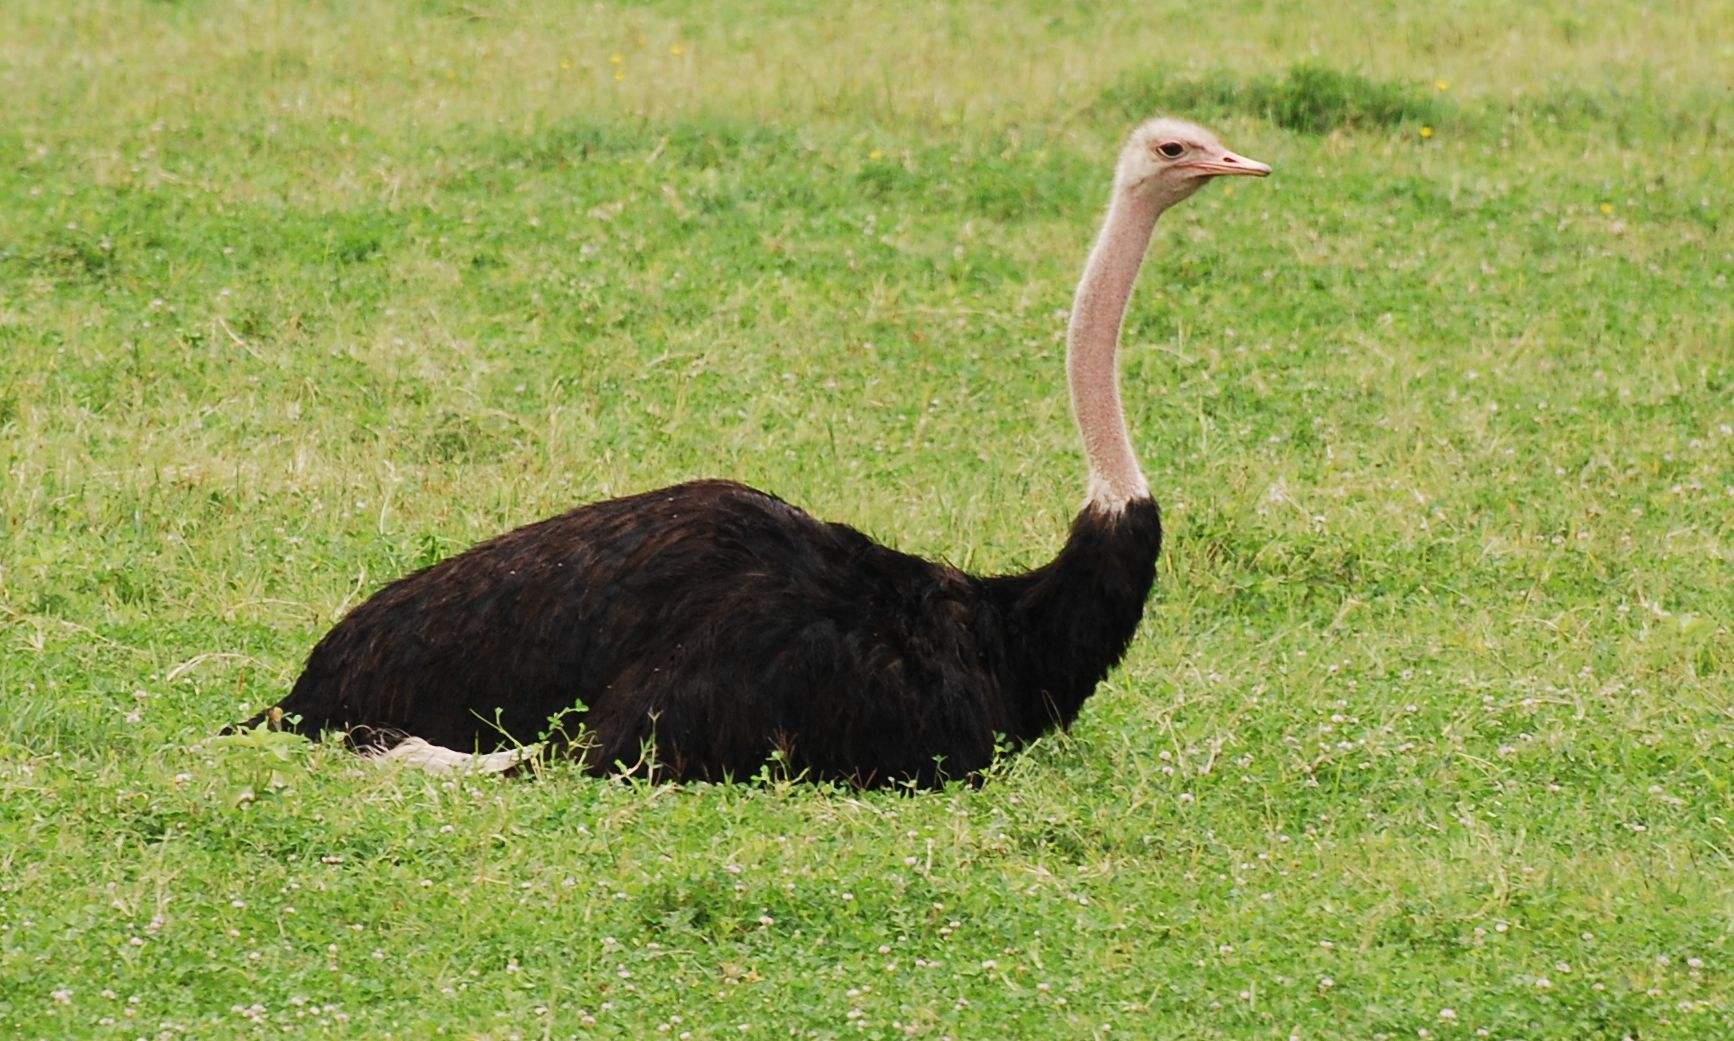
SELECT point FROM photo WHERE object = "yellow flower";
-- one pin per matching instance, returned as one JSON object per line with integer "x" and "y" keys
{"x": 567, "y": 64}
{"x": 619, "y": 76}
{"x": 876, "y": 154}
{"x": 1441, "y": 85}
{"x": 1608, "y": 208}
{"x": 677, "y": 50}
{"x": 1426, "y": 132}
{"x": 615, "y": 59}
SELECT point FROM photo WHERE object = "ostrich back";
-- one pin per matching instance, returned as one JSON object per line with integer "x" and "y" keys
{"x": 708, "y": 621}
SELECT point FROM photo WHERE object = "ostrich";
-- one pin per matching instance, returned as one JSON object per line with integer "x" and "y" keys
{"x": 705, "y": 630}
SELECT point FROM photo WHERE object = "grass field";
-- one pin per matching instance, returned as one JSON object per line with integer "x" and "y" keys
{"x": 1429, "y": 731}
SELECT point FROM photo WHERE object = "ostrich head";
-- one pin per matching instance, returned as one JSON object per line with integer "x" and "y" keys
{"x": 1169, "y": 159}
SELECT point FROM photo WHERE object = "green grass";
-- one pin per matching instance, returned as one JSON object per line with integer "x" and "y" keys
{"x": 1433, "y": 709}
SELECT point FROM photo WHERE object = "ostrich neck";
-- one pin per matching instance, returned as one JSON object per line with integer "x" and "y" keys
{"x": 1072, "y": 618}
{"x": 1092, "y": 341}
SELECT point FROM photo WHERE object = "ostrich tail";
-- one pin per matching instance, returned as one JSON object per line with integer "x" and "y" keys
{"x": 288, "y": 719}
{"x": 272, "y": 718}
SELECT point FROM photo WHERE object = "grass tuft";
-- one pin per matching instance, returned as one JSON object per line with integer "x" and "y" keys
{"x": 1309, "y": 98}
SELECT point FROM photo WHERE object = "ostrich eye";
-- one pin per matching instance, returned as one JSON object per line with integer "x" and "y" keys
{"x": 1170, "y": 149}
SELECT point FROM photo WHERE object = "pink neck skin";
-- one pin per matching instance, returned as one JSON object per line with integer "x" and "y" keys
{"x": 1092, "y": 340}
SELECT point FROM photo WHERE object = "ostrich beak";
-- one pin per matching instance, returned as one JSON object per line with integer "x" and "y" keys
{"x": 1228, "y": 164}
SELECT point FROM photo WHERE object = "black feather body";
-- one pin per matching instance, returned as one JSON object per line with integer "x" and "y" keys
{"x": 706, "y": 626}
